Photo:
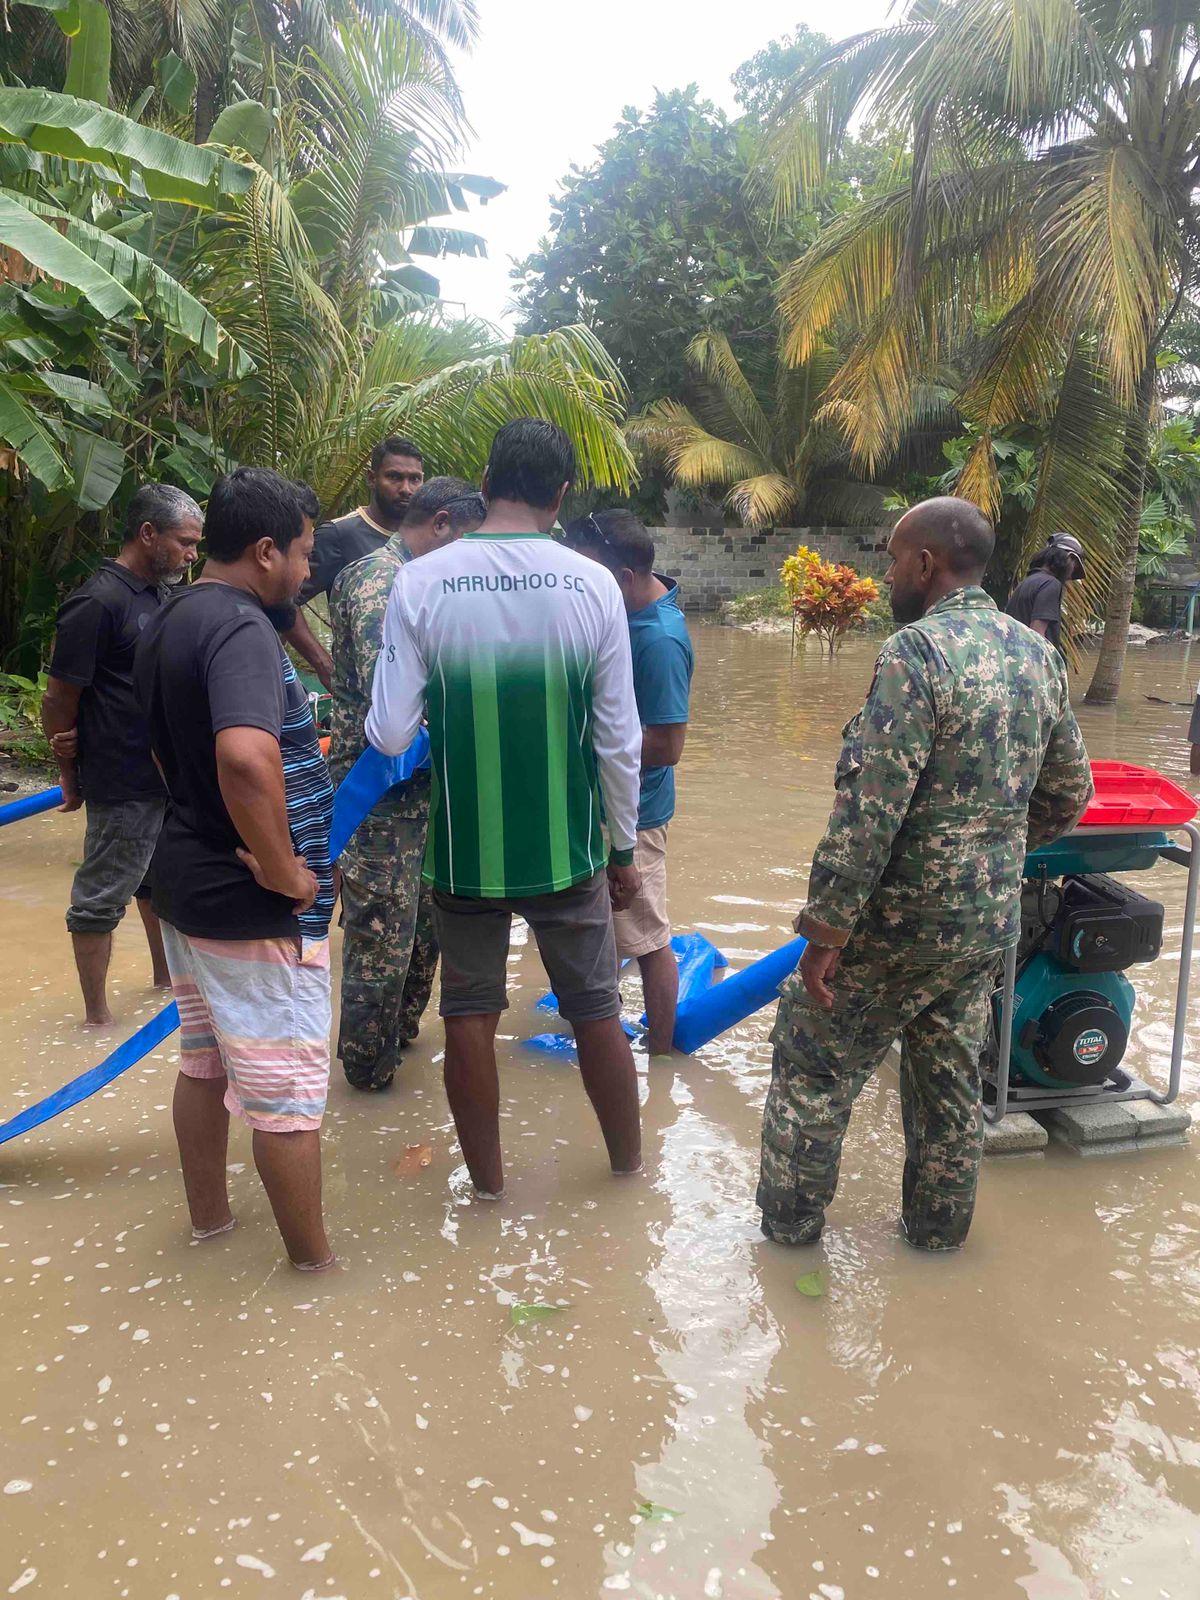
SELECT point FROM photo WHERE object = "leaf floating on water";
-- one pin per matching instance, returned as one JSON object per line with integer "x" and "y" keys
{"x": 414, "y": 1159}
{"x": 812, "y": 1284}
{"x": 531, "y": 1311}
{"x": 652, "y": 1513}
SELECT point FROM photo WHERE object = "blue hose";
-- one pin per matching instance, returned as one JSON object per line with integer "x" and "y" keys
{"x": 363, "y": 786}
{"x": 702, "y": 1016}
{"x": 30, "y": 805}
{"x": 368, "y": 780}
{"x": 148, "y": 1037}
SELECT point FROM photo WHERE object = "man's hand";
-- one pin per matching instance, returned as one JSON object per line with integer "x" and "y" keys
{"x": 818, "y": 965}
{"x": 623, "y": 885}
{"x": 301, "y": 888}
{"x": 323, "y": 667}
{"x": 69, "y": 783}
{"x": 65, "y": 746}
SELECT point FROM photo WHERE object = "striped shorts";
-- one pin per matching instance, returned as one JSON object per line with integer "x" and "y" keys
{"x": 257, "y": 1013}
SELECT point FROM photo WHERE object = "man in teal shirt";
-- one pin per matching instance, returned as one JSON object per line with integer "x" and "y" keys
{"x": 662, "y": 676}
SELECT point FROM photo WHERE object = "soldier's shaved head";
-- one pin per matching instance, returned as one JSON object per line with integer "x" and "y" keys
{"x": 954, "y": 531}
{"x": 939, "y": 546}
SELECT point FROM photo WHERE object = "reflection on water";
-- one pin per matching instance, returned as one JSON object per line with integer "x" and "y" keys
{"x": 1017, "y": 1421}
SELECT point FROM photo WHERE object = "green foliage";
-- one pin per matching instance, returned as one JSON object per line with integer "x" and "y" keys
{"x": 760, "y": 605}
{"x": 174, "y": 308}
{"x": 669, "y": 234}
{"x": 768, "y": 448}
{"x": 20, "y": 717}
{"x": 1045, "y": 243}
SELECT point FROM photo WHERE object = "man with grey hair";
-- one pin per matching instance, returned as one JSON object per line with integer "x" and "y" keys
{"x": 389, "y": 952}
{"x": 100, "y": 737}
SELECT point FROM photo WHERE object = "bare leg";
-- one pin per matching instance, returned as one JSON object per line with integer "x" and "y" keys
{"x": 92, "y": 954}
{"x": 289, "y": 1165}
{"x": 473, "y": 1090}
{"x": 660, "y": 986}
{"x": 161, "y": 978}
{"x": 609, "y": 1076}
{"x": 202, "y": 1130}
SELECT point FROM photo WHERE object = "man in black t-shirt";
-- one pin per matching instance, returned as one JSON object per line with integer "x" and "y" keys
{"x": 1037, "y": 600}
{"x": 242, "y": 880}
{"x": 396, "y": 472}
{"x": 99, "y": 734}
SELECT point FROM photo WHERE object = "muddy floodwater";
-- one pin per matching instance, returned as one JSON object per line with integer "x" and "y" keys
{"x": 189, "y": 1421}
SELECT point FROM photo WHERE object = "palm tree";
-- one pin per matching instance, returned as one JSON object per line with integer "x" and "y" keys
{"x": 1050, "y": 232}
{"x": 310, "y": 273}
{"x": 773, "y": 460}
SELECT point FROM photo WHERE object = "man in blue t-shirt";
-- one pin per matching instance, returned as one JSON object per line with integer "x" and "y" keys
{"x": 662, "y": 676}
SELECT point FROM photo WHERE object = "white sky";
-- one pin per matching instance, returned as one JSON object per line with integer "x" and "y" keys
{"x": 548, "y": 79}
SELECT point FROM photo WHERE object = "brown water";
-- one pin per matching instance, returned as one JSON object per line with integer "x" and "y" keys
{"x": 1018, "y": 1420}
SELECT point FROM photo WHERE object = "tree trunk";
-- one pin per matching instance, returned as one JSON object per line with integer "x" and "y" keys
{"x": 1106, "y": 680}
{"x": 208, "y": 101}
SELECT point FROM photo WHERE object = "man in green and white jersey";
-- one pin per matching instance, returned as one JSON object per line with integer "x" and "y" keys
{"x": 517, "y": 651}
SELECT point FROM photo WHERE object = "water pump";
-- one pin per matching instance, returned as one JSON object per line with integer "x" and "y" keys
{"x": 1074, "y": 1005}
{"x": 1065, "y": 1007}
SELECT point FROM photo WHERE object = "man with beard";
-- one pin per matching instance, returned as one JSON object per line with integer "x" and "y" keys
{"x": 965, "y": 755}
{"x": 246, "y": 888}
{"x": 395, "y": 473}
{"x": 99, "y": 736}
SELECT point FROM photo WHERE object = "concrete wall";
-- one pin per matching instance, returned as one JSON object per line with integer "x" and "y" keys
{"x": 713, "y": 565}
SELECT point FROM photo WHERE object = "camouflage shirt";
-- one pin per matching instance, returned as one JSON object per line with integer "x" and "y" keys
{"x": 965, "y": 755}
{"x": 357, "y": 602}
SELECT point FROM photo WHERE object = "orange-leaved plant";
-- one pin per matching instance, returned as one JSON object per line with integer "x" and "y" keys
{"x": 827, "y": 597}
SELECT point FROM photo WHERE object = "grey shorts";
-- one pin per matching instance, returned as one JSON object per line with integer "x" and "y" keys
{"x": 574, "y": 933}
{"x": 117, "y": 847}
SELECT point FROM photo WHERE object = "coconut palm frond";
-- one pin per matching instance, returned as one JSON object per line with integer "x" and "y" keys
{"x": 454, "y": 411}
{"x": 766, "y": 500}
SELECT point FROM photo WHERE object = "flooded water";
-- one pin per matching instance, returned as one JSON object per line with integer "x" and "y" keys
{"x": 1016, "y": 1421}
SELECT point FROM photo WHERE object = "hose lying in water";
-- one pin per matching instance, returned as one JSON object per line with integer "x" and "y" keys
{"x": 706, "y": 1009}
{"x": 367, "y": 781}
{"x": 148, "y": 1037}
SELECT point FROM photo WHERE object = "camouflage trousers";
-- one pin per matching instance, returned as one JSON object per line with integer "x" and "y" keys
{"x": 389, "y": 951}
{"x": 941, "y": 1013}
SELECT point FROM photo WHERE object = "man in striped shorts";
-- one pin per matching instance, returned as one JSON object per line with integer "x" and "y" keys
{"x": 243, "y": 884}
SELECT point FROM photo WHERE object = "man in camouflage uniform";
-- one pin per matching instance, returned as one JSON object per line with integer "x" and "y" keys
{"x": 965, "y": 755}
{"x": 389, "y": 953}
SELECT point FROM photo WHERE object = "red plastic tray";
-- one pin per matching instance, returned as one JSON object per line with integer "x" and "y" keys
{"x": 1132, "y": 797}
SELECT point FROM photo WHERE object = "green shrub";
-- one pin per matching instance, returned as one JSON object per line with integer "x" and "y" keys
{"x": 20, "y": 717}
{"x": 760, "y": 605}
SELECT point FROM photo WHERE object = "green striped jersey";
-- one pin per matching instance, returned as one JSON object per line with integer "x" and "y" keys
{"x": 517, "y": 652}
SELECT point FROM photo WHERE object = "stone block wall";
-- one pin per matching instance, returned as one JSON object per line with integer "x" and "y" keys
{"x": 713, "y": 565}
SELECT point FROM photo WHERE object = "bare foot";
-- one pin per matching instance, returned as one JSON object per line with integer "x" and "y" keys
{"x": 97, "y": 1024}
{"x": 314, "y": 1266}
{"x": 200, "y": 1234}
{"x": 627, "y": 1172}
{"x": 161, "y": 983}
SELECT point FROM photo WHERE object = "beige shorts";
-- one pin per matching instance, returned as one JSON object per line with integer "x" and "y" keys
{"x": 644, "y": 926}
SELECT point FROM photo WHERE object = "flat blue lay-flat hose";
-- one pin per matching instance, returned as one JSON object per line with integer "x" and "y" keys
{"x": 362, "y": 788}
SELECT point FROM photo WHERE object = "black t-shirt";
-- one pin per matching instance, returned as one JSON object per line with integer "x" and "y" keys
{"x": 209, "y": 660}
{"x": 336, "y": 545}
{"x": 1039, "y": 599}
{"x": 98, "y": 627}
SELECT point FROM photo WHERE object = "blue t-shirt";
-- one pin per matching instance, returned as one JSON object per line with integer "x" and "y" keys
{"x": 662, "y": 678}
